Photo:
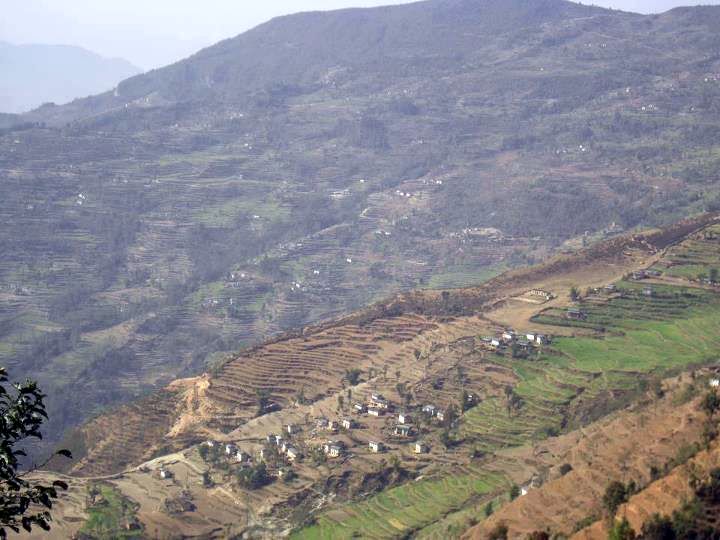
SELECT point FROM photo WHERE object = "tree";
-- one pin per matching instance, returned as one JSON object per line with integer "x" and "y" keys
{"x": 22, "y": 412}
{"x": 263, "y": 400}
{"x": 710, "y": 404}
{"x": 500, "y": 532}
{"x": 488, "y": 509}
{"x": 352, "y": 376}
{"x": 622, "y": 531}
{"x": 574, "y": 294}
{"x": 713, "y": 275}
{"x": 658, "y": 528}
{"x": 615, "y": 494}
{"x": 514, "y": 492}
{"x": 538, "y": 535}
{"x": 341, "y": 402}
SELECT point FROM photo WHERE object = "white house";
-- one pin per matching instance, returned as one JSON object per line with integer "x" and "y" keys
{"x": 714, "y": 383}
{"x": 378, "y": 401}
{"x": 230, "y": 449}
{"x": 348, "y": 423}
{"x": 495, "y": 342}
{"x": 403, "y": 430}
{"x": 429, "y": 409}
{"x": 292, "y": 453}
{"x": 291, "y": 429}
{"x": 421, "y": 448}
{"x": 403, "y": 418}
{"x": 241, "y": 456}
{"x": 376, "y": 446}
{"x": 165, "y": 474}
{"x": 372, "y": 411}
{"x": 359, "y": 407}
{"x": 440, "y": 416}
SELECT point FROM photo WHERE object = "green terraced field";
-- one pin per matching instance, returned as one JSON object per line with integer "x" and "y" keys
{"x": 695, "y": 258}
{"x": 403, "y": 509}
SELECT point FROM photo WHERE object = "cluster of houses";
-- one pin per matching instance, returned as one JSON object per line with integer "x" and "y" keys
{"x": 283, "y": 446}
{"x": 510, "y": 338}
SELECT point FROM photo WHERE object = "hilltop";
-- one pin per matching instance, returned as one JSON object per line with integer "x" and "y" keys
{"x": 552, "y": 416}
{"x": 324, "y": 161}
{"x": 37, "y": 74}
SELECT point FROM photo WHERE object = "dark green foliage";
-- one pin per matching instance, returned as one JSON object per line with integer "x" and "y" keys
{"x": 711, "y": 404}
{"x": 514, "y": 492}
{"x": 352, "y": 376}
{"x": 500, "y": 532}
{"x": 22, "y": 413}
{"x": 616, "y": 494}
{"x": 254, "y": 477}
{"x": 622, "y": 530}
{"x": 658, "y": 528}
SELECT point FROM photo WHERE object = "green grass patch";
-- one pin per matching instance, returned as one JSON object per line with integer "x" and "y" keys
{"x": 111, "y": 515}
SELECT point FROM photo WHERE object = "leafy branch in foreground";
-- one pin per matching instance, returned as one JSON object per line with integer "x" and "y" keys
{"x": 23, "y": 503}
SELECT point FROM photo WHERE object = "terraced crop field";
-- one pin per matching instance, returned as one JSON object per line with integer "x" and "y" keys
{"x": 628, "y": 336}
{"x": 405, "y": 508}
{"x": 697, "y": 258}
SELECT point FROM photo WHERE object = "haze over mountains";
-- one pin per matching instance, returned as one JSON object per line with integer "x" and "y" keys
{"x": 325, "y": 160}
{"x": 37, "y": 74}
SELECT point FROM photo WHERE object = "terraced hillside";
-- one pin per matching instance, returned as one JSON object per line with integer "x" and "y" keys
{"x": 512, "y": 415}
{"x": 321, "y": 162}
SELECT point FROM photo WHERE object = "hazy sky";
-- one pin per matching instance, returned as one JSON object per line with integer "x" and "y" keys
{"x": 151, "y": 33}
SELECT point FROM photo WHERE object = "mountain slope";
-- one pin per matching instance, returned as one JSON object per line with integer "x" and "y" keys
{"x": 37, "y": 74}
{"x": 323, "y": 161}
{"x": 530, "y": 414}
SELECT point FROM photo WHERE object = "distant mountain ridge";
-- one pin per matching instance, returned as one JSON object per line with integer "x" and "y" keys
{"x": 294, "y": 51}
{"x": 37, "y": 74}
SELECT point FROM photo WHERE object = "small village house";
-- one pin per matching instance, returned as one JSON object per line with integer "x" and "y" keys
{"x": 230, "y": 449}
{"x": 372, "y": 411}
{"x": 378, "y": 401}
{"x": 359, "y": 408}
{"x": 165, "y": 474}
{"x": 576, "y": 314}
{"x": 403, "y": 418}
{"x": 348, "y": 423}
{"x": 292, "y": 454}
{"x": 376, "y": 446}
{"x": 403, "y": 430}
{"x": 421, "y": 448}
{"x": 430, "y": 410}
